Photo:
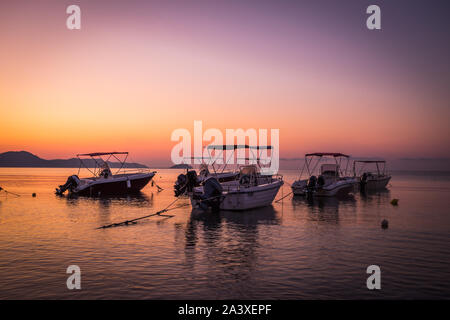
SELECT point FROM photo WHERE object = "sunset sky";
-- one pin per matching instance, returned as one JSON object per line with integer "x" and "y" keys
{"x": 137, "y": 70}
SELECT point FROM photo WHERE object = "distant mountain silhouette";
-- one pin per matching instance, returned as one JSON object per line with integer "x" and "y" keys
{"x": 181, "y": 166}
{"x": 27, "y": 159}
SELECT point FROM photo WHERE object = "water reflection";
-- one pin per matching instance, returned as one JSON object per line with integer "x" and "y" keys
{"x": 324, "y": 208}
{"x": 323, "y": 203}
{"x": 252, "y": 218}
{"x": 211, "y": 223}
{"x": 134, "y": 200}
{"x": 374, "y": 197}
{"x": 300, "y": 249}
{"x": 229, "y": 242}
{"x": 78, "y": 206}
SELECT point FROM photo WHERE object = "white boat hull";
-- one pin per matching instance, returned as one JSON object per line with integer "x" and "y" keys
{"x": 377, "y": 183}
{"x": 245, "y": 198}
{"x": 339, "y": 188}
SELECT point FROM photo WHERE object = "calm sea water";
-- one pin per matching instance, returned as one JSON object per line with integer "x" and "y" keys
{"x": 292, "y": 250}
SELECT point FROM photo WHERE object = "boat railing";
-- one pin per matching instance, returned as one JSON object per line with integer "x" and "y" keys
{"x": 133, "y": 171}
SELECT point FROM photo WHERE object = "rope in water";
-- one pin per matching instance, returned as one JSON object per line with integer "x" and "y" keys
{"x": 158, "y": 213}
{"x": 154, "y": 183}
{"x": 126, "y": 222}
{"x": 15, "y": 194}
{"x": 283, "y": 197}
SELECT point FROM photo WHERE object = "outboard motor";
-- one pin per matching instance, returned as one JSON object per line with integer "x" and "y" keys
{"x": 311, "y": 183}
{"x": 186, "y": 183}
{"x": 211, "y": 197}
{"x": 192, "y": 180}
{"x": 321, "y": 181}
{"x": 363, "y": 181}
{"x": 311, "y": 186}
{"x": 180, "y": 185}
{"x": 71, "y": 183}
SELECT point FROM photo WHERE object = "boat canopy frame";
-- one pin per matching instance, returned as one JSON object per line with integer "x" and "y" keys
{"x": 98, "y": 160}
{"x": 235, "y": 147}
{"x": 232, "y": 147}
{"x": 378, "y": 163}
{"x": 337, "y": 156}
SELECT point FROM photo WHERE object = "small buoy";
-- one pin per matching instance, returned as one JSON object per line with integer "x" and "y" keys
{"x": 394, "y": 202}
{"x": 33, "y": 195}
{"x": 384, "y": 224}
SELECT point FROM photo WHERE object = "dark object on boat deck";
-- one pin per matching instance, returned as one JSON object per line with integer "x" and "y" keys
{"x": 384, "y": 224}
{"x": 363, "y": 181}
{"x": 311, "y": 185}
{"x": 212, "y": 190}
{"x": 245, "y": 180}
{"x": 394, "y": 202}
{"x": 33, "y": 195}
{"x": 321, "y": 181}
{"x": 192, "y": 180}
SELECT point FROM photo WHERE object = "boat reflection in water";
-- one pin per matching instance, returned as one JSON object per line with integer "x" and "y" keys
{"x": 108, "y": 206}
{"x": 377, "y": 198}
{"x": 138, "y": 199}
{"x": 325, "y": 208}
{"x": 227, "y": 243}
{"x": 323, "y": 203}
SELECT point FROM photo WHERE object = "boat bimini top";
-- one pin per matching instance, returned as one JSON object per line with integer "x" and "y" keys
{"x": 380, "y": 165}
{"x": 252, "y": 158}
{"x": 99, "y": 161}
{"x": 312, "y": 161}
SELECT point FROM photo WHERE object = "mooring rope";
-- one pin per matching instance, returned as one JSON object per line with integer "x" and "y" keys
{"x": 159, "y": 188}
{"x": 283, "y": 197}
{"x": 158, "y": 213}
{"x": 6, "y": 191}
{"x": 290, "y": 184}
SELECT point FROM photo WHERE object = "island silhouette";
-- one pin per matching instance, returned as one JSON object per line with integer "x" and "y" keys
{"x": 27, "y": 159}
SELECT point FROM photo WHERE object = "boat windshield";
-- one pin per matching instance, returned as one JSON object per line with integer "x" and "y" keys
{"x": 330, "y": 169}
{"x": 248, "y": 170}
{"x": 369, "y": 166}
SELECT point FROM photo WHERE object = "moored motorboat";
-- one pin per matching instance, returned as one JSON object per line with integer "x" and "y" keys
{"x": 251, "y": 190}
{"x": 254, "y": 186}
{"x": 103, "y": 182}
{"x": 370, "y": 180}
{"x": 331, "y": 180}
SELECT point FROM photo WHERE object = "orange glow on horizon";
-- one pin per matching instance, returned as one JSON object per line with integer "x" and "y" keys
{"x": 128, "y": 87}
